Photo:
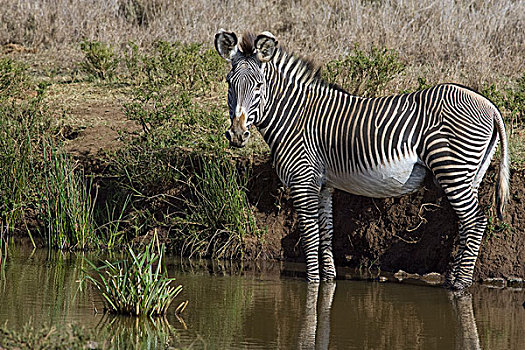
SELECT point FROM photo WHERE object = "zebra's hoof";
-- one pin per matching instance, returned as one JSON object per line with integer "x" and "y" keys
{"x": 313, "y": 279}
{"x": 457, "y": 285}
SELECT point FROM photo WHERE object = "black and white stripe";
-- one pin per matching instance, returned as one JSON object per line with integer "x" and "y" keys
{"x": 322, "y": 138}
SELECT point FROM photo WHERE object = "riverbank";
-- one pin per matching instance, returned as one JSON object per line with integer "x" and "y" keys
{"x": 109, "y": 141}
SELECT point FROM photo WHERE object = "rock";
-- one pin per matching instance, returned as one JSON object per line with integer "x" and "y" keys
{"x": 494, "y": 282}
{"x": 433, "y": 278}
{"x": 402, "y": 275}
{"x": 515, "y": 282}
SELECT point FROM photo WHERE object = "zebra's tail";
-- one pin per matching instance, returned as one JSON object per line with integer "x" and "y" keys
{"x": 502, "y": 186}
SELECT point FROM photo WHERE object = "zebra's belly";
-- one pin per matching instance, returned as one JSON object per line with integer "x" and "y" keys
{"x": 382, "y": 181}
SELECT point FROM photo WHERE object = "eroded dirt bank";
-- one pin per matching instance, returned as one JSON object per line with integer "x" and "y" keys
{"x": 415, "y": 233}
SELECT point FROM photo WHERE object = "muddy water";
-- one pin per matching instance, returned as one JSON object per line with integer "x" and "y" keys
{"x": 266, "y": 308}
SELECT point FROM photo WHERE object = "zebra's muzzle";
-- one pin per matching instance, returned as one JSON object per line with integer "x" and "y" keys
{"x": 238, "y": 134}
{"x": 237, "y": 139}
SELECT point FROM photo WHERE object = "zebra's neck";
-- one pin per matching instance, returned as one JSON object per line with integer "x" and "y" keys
{"x": 294, "y": 87}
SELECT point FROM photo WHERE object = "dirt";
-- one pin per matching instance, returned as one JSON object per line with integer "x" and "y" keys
{"x": 100, "y": 133}
{"x": 415, "y": 233}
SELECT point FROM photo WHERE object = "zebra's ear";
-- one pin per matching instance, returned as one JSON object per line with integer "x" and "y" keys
{"x": 265, "y": 45}
{"x": 226, "y": 44}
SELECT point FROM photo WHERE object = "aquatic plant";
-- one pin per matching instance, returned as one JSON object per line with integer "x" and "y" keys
{"x": 67, "y": 205}
{"x": 137, "y": 287}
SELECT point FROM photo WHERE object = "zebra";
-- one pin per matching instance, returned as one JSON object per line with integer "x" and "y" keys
{"x": 322, "y": 138}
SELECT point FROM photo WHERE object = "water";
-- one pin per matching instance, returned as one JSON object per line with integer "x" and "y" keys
{"x": 262, "y": 308}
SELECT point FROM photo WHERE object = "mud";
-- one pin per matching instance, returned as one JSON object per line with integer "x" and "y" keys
{"x": 415, "y": 233}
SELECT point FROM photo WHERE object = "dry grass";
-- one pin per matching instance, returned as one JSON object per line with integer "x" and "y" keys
{"x": 470, "y": 42}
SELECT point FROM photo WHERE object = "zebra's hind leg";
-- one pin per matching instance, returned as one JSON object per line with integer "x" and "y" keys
{"x": 325, "y": 233}
{"x": 472, "y": 224}
{"x": 306, "y": 203}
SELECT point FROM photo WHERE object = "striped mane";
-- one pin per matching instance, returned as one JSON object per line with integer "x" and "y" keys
{"x": 311, "y": 72}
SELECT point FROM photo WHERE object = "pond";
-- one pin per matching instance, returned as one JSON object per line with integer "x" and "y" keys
{"x": 267, "y": 307}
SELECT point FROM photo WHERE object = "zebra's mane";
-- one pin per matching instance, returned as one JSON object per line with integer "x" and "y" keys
{"x": 311, "y": 72}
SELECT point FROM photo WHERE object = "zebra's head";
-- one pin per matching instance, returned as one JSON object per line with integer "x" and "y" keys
{"x": 246, "y": 83}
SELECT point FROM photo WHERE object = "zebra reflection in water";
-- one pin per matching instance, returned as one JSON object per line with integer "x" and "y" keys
{"x": 315, "y": 325}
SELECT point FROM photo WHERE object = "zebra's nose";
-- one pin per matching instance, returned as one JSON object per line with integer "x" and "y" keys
{"x": 228, "y": 135}
{"x": 246, "y": 135}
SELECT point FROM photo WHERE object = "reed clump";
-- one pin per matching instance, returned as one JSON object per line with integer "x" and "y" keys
{"x": 139, "y": 286}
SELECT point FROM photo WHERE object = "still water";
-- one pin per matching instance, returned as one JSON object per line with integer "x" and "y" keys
{"x": 266, "y": 307}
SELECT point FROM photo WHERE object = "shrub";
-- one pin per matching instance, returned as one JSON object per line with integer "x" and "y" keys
{"x": 100, "y": 61}
{"x": 512, "y": 99}
{"x": 364, "y": 73}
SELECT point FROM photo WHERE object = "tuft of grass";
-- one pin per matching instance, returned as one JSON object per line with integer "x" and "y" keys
{"x": 67, "y": 204}
{"x": 13, "y": 77}
{"x": 100, "y": 60}
{"x": 219, "y": 210}
{"x": 364, "y": 73}
{"x": 137, "y": 287}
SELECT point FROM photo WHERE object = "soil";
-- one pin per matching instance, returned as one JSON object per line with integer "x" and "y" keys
{"x": 415, "y": 233}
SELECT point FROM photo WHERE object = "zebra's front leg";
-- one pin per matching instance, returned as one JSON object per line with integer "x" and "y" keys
{"x": 325, "y": 233}
{"x": 306, "y": 203}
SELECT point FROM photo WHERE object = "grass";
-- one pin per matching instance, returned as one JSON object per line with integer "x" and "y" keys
{"x": 68, "y": 203}
{"x": 3, "y": 251}
{"x": 136, "y": 287}
{"x": 439, "y": 39}
{"x": 46, "y": 337}
{"x": 220, "y": 216}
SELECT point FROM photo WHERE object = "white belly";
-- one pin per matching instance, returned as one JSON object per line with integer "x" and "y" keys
{"x": 392, "y": 179}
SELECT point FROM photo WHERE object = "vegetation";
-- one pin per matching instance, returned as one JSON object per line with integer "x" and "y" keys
{"x": 171, "y": 88}
{"x": 115, "y": 334}
{"x": 99, "y": 60}
{"x": 510, "y": 99}
{"x": 137, "y": 287}
{"x": 47, "y": 337}
{"x": 364, "y": 73}
{"x": 68, "y": 201}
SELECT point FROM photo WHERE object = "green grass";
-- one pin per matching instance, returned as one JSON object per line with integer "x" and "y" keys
{"x": 136, "y": 287}
{"x": 3, "y": 251}
{"x": 67, "y": 202}
{"x": 219, "y": 216}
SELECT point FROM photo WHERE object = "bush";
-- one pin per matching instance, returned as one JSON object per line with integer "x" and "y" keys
{"x": 100, "y": 61}
{"x": 364, "y": 73}
{"x": 512, "y": 99}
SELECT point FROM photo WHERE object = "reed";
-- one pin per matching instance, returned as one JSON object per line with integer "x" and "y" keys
{"x": 67, "y": 204}
{"x": 139, "y": 286}
{"x": 219, "y": 211}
